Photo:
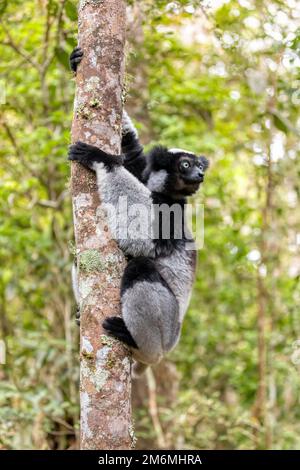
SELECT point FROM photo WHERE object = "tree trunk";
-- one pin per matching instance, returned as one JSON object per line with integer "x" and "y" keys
{"x": 105, "y": 384}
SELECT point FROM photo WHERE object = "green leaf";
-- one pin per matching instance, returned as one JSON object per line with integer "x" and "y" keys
{"x": 280, "y": 124}
{"x": 71, "y": 41}
{"x": 3, "y": 5}
{"x": 62, "y": 56}
{"x": 71, "y": 10}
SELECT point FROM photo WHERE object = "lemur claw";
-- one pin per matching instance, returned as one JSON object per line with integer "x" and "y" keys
{"x": 75, "y": 58}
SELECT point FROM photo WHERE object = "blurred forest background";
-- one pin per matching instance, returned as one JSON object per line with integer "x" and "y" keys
{"x": 221, "y": 78}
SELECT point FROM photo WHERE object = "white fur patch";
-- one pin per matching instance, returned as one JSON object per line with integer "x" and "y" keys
{"x": 101, "y": 172}
{"x": 175, "y": 150}
{"x": 157, "y": 180}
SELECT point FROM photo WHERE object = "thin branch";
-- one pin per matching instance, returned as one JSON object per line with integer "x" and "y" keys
{"x": 59, "y": 21}
{"x": 53, "y": 204}
{"x": 19, "y": 153}
{"x": 153, "y": 409}
{"x": 11, "y": 43}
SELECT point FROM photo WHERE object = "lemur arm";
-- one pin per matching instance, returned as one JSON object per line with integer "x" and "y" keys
{"x": 134, "y": 158}
{"x": 132, "y": 149}
{"x": 123, "y": 196}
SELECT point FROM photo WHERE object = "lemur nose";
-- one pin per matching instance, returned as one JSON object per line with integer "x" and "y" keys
{"x": 200, "y": 175}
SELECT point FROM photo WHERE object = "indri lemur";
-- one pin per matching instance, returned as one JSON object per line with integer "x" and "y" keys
{"x": 158, "y": 279}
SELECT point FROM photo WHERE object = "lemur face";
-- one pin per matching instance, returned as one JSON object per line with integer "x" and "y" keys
{"x": 175, "y": 172}
{"x": 190, "y": 172}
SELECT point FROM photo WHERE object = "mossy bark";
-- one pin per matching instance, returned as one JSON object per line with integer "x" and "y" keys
{"x": 105, "y": 385}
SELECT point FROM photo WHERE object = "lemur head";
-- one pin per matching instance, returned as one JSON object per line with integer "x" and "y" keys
{"x": 174, "y": 172}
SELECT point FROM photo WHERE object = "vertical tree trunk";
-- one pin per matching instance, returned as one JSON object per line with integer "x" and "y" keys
{"x": 105, "y": 385}
{"x": 264, "y": 323}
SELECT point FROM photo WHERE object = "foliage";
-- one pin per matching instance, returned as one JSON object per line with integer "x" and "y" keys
{"x": 224, "y": 81}
{"x": 39, "y": 386}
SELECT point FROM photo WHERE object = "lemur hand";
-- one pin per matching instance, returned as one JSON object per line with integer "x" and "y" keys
{"x": 88, "y": 155}
{"x": 75, "y": 58}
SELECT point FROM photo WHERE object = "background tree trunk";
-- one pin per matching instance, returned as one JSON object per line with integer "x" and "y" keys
{"x": 105, "y": 364}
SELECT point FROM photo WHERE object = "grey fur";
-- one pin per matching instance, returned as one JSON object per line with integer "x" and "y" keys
{"x": 177, "y": 272}
{"x": 115, "y": 185}
{"x": 157, "y": 180}
{"x": 153, "y": 307}
{"x": 151, "y": 314}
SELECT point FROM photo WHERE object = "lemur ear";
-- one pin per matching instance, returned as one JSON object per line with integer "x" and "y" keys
{"x": 158, "y": 158}
{"x": 204, "y": 162}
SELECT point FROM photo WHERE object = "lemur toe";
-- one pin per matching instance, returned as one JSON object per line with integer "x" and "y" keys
{"x": 116, "y": 327}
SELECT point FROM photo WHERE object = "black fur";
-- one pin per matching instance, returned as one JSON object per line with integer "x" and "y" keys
{"x": 153, "y": 317}
{"x": 75, "y": 58}
{"x": 116, "y": 327}
{"x": 180, "y": 182}
{"x": 140, "y": 269}
{"x": 88, "y": 154}
{"x": 177, "y": 238}
{"x": 134, "y": 158}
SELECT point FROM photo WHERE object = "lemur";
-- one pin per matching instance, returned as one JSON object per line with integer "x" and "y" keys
{"x": 158, "y": 279}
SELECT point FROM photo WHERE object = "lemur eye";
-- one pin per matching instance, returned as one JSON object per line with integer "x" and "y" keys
{"x": 185, "y": 164}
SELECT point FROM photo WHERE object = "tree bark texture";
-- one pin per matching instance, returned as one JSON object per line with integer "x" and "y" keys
{"x": 105, "y": 384}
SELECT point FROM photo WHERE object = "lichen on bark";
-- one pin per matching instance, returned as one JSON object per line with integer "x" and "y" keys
{"x": 90, "y": 261}
{"x": 105, "y": 384}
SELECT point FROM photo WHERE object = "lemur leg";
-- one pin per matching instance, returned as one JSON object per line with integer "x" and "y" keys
{"x": 124, "y": 198}
{"x": 149, "y": 310}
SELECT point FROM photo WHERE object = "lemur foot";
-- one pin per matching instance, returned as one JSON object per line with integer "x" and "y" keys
{"x": 87, "y": 155}
{"x": 75, "y": 58}
{"x": 116, "y": 327}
